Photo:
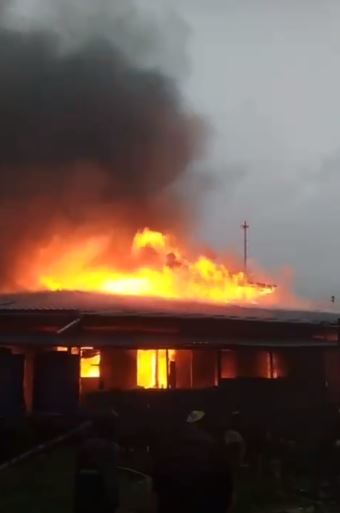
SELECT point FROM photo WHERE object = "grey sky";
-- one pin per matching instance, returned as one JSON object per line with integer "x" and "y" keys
{"x": 266, "y": 74}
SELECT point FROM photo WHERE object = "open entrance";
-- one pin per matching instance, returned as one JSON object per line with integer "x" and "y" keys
{"x": 155, "y": 368}
{"x": 89, "y": 362}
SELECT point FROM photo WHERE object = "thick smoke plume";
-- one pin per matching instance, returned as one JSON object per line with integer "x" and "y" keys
{"x": 87, "y": 139}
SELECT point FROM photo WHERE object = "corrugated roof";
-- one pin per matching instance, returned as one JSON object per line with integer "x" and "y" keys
{"x": 152, "y": 341}
{"x": 105, "y": 304}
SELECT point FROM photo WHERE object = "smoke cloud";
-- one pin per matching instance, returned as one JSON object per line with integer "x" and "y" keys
{"x": 90, "y": 131}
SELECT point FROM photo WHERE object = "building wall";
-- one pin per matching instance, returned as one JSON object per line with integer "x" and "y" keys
{"x": 51, "y": 379}
{"x": 11, "y": 383}
{"x": 183, "y": 362}
{"x": 118, "y": 369}
{"x": 56, "y": 382}
{"x": 204, "y": 368}
{"x": 332, "y": 369}
{"x": 246, "y": 363}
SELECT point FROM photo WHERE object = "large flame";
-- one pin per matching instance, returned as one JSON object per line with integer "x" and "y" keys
{"x": 156, "y": 268}
{"x": 151, "y": 264}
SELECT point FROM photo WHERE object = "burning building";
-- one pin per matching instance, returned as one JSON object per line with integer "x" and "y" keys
{"x": 94, "y": 147}
{"x": 58, "y": 347}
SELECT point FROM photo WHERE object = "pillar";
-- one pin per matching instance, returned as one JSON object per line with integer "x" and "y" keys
{"x": 118, "y": 369}
{"x": 204, "y": 368}
{"x": 29, "y": 379}
{"x": 183, "y": 361}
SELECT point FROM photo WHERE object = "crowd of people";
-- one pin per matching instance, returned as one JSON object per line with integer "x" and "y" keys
{"x": 191, "y": 470}
{"x": 196, "y": 470}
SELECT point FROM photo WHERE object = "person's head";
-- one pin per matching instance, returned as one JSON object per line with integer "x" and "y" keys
{"x": 235, "y": 420}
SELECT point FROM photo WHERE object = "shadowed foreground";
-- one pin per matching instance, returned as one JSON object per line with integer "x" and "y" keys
{"x": 46, "y": 484}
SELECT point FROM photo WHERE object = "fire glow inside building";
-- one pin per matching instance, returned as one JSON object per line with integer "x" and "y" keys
{"x": 60, "y": 347}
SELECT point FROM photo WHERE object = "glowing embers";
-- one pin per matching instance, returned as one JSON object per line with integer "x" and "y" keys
{"x": 153, "y": 367}
{"x": 89, "y": 363}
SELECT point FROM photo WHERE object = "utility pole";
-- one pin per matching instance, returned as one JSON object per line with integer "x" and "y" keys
{"x": 245, "y": 227}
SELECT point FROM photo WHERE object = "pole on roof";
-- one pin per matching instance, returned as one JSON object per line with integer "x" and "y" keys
{"x": 245, "y": 227}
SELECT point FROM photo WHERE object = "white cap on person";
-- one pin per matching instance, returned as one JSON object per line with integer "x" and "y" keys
{"x": 195, "y": 416}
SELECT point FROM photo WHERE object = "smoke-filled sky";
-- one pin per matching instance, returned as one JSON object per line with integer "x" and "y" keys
{"x": 265, "y": 77}
{"x": 95, "y": 134}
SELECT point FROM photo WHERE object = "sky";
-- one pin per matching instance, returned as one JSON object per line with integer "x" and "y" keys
{"x": 265, "y": 76}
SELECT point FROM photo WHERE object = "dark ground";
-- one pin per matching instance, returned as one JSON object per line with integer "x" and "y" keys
{"x": 44, "y": 484}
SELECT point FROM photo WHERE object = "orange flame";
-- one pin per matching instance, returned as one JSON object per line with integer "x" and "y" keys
{"x": 89, "y": 363}
{"x": 89, "y": 360}
{"x": 153, "y": 367}
{"x": 157, "y": 268}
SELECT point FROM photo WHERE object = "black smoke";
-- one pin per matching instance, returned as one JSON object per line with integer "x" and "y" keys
{"x": 81, "y": 133}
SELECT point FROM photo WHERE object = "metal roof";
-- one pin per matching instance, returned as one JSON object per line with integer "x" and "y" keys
{"x": 110, "y": 305}
{"x": 81, "y": 318}
{"x": 161, "y": 342}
